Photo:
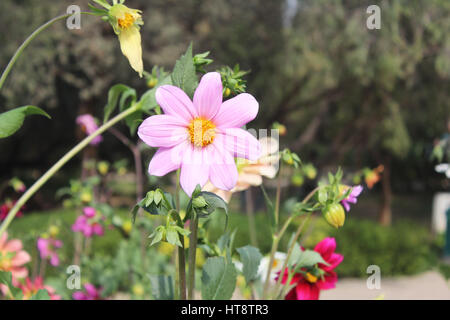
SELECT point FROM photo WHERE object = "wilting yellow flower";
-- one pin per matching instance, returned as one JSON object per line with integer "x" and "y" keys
{"x": 126, "y": 23}
{"x": 251, "y": 172}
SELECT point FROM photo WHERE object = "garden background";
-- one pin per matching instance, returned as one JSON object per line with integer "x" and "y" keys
{"x": 347, "y": 96}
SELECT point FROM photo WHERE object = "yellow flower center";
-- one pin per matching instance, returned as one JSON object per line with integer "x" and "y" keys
{"x": 310, "y": 278}
{"x": 126, "y": 22}
{"x": 201, "y": 132}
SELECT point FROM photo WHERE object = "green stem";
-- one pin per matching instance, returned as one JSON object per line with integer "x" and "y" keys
{"x": 192, "y": 255}
{"x": 275, "y": 243}
{"x": 181, "y": 253}
{"x": 27, "y": 42}
{"x": 58, "y": 165}
{"x": 294, "y": 241}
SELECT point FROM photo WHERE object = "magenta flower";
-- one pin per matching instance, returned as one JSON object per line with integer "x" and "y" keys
{"x": 89, "y": 126}
{"x": 202, "y": 136}
{"x": 91, "y": 293}
{"x": 352, "y": 197}
{"x": 88, "y": 223}
{"x": 309, "y": 282}
{"x": 48, "y": 249}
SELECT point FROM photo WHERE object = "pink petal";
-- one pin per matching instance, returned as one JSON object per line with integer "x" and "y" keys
{"x": 222, "y": 172}
{"x": 208, "y": 96}
{"x": 194, "y": 169}
{"x": 326, "y": 247}
{"x": 236, "y": 112}
{"x": 240, "y": 143}
{"x": 54, "y": 260}
{"x": 20, "y": 259}
{"x": 79, "y": 296}
{"x": 167, "y": 160}
{"x": 306, "y": 291}
{"x": 175, "y": 102}
{"x": 333, "y": 262}
{"x": 19, "y": 272}
{"x": 13, "y": 245}
{"x": 329, "y": 281}
{"x": 163, "y": 131}
{"x": 89, "y": 212}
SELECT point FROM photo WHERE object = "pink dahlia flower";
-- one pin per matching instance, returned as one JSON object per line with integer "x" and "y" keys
{"x": 309, "y": 282}
{"x": 12, "y": 257}
{"x": 89, "y": 126}
{"x": 202, "y": 136}
{"x": 48, "y": 249}
{"x": 352, "y": 197}
{"x": 91, "y": 293}
{"x": 31, "y": 287}
{"x": 88, "y": 223}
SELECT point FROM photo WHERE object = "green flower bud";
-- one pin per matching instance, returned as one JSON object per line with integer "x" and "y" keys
{"x": 335, "y": 215}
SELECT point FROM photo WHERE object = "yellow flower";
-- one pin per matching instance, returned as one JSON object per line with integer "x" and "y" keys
{"x": 127, "y": 226}
{"x": 138, "y": 290}
{"x": 126, "y": 23}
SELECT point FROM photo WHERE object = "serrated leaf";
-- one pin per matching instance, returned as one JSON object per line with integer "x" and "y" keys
{"x": 218, "y": 279}
{"x": 12, "y": 120}
{"x": 157, "y": 235}
{"x": 250, "y": 258}
{"x": 183, "y": 75}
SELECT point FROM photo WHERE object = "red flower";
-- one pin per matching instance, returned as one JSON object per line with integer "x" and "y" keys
{"x": 308, "y": 282}
{"x": 6, "y": 207}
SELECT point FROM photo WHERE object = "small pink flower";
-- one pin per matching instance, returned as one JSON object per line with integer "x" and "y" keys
{"x": 88, "y": 223}
{"x": 202, "y": 136}
{"x": 308, "y": 285}
{"x": 48, "y": 249}
{"x": 91, "y": 293}
{"x": 31, "y": 287}
{"x": 89, "y": 126}
{"x": 352, "y": 197}
{"x": 12, "y": 257}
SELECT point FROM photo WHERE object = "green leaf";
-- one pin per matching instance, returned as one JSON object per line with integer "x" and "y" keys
{"x": 157, "y": 235}
{"x": 113, "y": 98}
{"x": 183, "y": 75}
{"x": 148, "y": 99}
{"x": 305, "y": 258}
{"x": 41, "y": 295}
{"x": 12, "y": 120}
{"x": 218, "y": 279}
{"x": 172, "y": 237}
{"x": 162, "y": 287}
{"x": 250, "y": 258}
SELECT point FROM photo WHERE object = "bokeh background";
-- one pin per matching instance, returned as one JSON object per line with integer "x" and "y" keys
{"x": 348, "y": 96}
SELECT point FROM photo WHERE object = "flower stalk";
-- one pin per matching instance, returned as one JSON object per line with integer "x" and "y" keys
{"x": 192, "y": 255}
{"x": 27, "y": 42}
{"x": 61, "y": 162}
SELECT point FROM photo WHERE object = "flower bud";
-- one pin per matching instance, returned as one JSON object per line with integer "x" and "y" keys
{"x": 54, "y": 231}
{"x": 199, "y": 202}
{"x": 335, "y": 215}
{"x": 127, "y": 226}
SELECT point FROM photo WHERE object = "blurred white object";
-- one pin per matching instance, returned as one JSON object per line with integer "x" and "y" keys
{"x": 443, "y": 168}
{"x": 441, "y": 203}
{"x": 276, "y": 266}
